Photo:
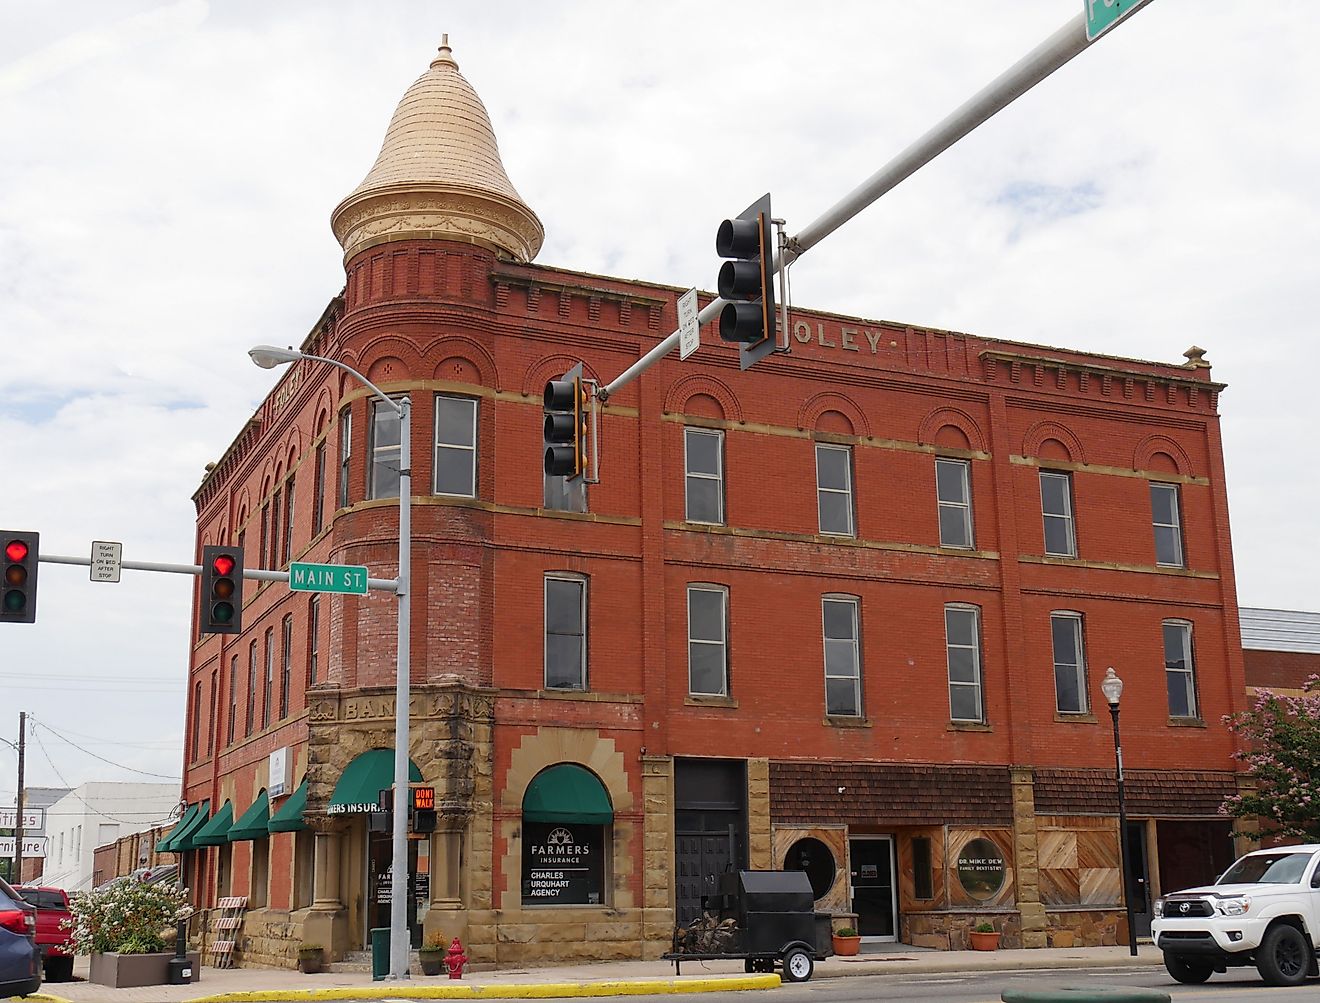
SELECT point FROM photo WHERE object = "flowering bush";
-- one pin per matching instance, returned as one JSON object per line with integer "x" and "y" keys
{"x": 1282, "y": 750}
{"x": 128, "y": 917}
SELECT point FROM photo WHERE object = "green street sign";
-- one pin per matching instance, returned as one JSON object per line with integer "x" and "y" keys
{"x": 348, "y": 579}
{"x": 1101, "y": 15}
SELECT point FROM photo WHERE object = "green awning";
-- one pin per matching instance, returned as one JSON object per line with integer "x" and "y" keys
{"x": 183, "y": 841}
{"x": 216, "y": 831}
{"x": 364, "y": 778}
{"x": 567, "y": 793}
{"x": 289, "y": 818}
{"x": 166, "y": 842}
{"x": 253, "y": 823}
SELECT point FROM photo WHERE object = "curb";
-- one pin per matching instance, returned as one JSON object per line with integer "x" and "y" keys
{"x": 543, "y": 990}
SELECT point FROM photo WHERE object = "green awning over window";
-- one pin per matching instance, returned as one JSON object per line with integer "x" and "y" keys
{"x": 289, "y": 818}
{"x": 166, "y": 842}
{"x": 253, "y": 824}
{"x": 567, "y": 793}
{"x": 364, "y": 778}
{"x": 183, "y": 841}
{"x": 216, "y": 831}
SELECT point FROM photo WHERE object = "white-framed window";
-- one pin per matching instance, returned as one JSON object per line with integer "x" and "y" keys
{"x": 231, "y": 724}
{"x": 345, "y": 454}
{"x": 286, "y": 553}
{"x": 843, "y": 660}
{"x": 565, "y": 632}
{"x": 1167, "y": 519}
{"x": 286, "y": 664}
{"x": 252, "y": 688}
{"x": 703, "y": 464}
{"x": 708, "y": 633}
{"x": 313, "y": 637}
{"x": 559, "y": 494}
{"x": 1057, "y": 509}
{"x": 455, "y": 446}
{"x": 962, "y": 639}
{"x": 1069, "y": 663}
{"x": 268, "y": 690}
{"x": 1179, "y": 668}
{"x": 318, "y": 489}
{"x": 385, "y": 452}
{"x": 834, "y": 500}
{"x": 953, "y": 495}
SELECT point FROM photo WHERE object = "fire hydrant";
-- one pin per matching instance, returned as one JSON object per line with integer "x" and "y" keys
{"x": 455, "y": 959}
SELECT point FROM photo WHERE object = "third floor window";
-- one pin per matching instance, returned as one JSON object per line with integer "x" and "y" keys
{"x": 1168, "y": 525}
{"x": 834, "y": 500}
{"x": 1057, "y": 510}
{"x": 456, "y": 446}
{"x": 384, "y": 451}
{"x": 953, "y": 495}
{"x": 703, "y": 464}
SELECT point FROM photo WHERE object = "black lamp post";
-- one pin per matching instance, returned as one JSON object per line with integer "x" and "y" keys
{"x": 1112, "y": 687}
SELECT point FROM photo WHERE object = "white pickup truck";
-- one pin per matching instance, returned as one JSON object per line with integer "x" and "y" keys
{"x": 1263, "y": 911}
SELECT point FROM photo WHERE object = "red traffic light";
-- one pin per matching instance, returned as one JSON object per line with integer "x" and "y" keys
{"x": 223, "y": 564}
{"x": 16, "y": 550}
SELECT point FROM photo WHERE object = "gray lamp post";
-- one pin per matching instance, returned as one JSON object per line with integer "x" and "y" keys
{"x": 1112, "y": 687}
{"x": 268, "y": 357}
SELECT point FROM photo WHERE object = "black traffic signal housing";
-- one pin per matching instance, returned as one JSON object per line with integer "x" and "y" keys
{"x": 18, "y": 598}
{"x": 421, "y": 810}
{"x": 747, "y": 282}
{"x": 222, "y": 591}
{"x": 566, "y": 425}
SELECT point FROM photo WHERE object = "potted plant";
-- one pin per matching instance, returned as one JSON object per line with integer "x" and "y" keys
{"x": 311, "y": 958}
{"x": 122, "y": 927}
{"x": 847, "y": 941}
{"x": 432, "y": 954}
{"x": 984, "y": 937}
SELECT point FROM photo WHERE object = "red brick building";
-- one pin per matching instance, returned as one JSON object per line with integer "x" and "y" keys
{"x": 846, "y": 611}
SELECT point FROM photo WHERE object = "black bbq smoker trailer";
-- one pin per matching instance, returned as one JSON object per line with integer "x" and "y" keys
{"x": 774, "y": 922}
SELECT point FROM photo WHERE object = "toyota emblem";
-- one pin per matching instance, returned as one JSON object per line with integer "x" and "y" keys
{"x": 1184, "y": 907}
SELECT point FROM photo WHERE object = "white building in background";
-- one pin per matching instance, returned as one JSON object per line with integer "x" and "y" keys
{"x": 93, "y": 815}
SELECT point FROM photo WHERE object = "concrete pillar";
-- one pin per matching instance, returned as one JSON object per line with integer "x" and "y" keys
{"x": 326, "y": 895}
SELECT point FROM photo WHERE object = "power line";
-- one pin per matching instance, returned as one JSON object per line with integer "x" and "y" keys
{"x": 36, "y": 733}
{"x": 175, "y": 742}
{"x": 110, "y": 762}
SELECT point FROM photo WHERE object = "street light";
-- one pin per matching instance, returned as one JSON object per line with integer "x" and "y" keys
{"x": 268, "y": 357}
{"x": 1112, "y": 687}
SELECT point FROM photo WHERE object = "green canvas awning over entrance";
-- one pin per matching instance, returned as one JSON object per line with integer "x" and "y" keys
{"x": 567, "y": 793}
{"x": 166, "y": 842}
{"x": 216, "y": 831}
{"x": 289, "y": 818}
{"x": 183, "y": 841}
{"x": 253, "y": 824}
{"x": 363, "y": 779}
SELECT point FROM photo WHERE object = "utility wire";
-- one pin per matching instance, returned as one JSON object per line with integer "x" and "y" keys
{"x": 42, "y": 745}
{"x": 111, "y": 762}
{"x": 93, "y": 739}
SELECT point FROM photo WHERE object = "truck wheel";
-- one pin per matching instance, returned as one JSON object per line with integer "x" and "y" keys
{"x": 1187, "y": 972}
{"x": 1283, "y": 956}
{"x": 59, "y": 969}
{"x": 798, "y": 965}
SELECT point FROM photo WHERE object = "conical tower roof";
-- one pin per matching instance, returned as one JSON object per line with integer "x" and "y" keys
{"x": 438, "y": 175}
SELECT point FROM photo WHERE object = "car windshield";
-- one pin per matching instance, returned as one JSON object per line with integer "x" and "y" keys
{"x": 1267, "y": 868}
{"x": 42, "y": 899}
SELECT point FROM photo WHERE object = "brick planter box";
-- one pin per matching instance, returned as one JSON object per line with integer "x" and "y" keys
{"x": 124, "y": 971}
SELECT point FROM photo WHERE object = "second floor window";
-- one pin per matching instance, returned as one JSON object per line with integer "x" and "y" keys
{"x": 834, "y": 502}
{"x": 708, "y": 664}
{"x": 345, "y": 454}
{"x": 233, "y": 700}
{"x": 703, "y": 465}
{"x": 252, "y": 688}
{"x": 962, "y": 632}
{"x": 565, "y": 633}
{"x": 559, "y": 494}
{"x": 1168, "y": 525}
{"x": 1179, "y": 671}
{"x": 197, "y": 720}
{"x": 953, "y": 496}
{"x": 843, "y": 666}
{"x": 1056, "y": 508}
{"x": 384, "y": 451}
{"x": 1069, "y": 663}
{"x": 456, "y": 446}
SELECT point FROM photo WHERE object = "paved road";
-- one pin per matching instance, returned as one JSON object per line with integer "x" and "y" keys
{"x": 1237, "y": 986}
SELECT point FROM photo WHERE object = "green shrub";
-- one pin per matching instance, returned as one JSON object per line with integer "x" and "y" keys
{"x": 985, "y": 927}
{"x": 845, "y": 931}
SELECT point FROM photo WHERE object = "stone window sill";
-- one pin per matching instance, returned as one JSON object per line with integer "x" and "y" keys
{"x": 843, "y": 721}
{"x": 968, "y": 726}
{"x": 1186, "y": 722}
{"x": 698, "y": 700}
{"x": 1074, "y": 718}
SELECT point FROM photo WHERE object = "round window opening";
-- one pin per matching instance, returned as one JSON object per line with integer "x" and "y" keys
{"x": 981, "y": 869}
{"x": 814, "y": 857}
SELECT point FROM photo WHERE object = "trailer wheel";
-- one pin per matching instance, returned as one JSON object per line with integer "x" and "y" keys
{"x": 798, "y": 965}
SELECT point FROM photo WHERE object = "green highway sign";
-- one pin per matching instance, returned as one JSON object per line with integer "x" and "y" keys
{"x": 1101, "y": 15}
{"x": 349, "y": 579}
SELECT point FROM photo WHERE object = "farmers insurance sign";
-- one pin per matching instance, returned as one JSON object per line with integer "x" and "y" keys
{"x": 563, "y": 864}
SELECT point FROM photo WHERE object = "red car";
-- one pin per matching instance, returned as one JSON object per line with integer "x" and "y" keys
{"x": 20, "y": 961}
{"x": 54, "y": 939}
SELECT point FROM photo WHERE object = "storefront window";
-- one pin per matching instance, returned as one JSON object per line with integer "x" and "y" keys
{"x": 566, "y": 814}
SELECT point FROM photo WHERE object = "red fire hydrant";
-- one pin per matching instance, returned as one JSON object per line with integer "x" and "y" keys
{"x": 455, "y": 959}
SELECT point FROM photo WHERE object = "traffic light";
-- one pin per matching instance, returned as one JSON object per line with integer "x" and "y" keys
{"x": 566, "y": 425}
{"x": 18, "y": 604}
{"x": 747, "y": 282}
{"x": 222, "y": 590}
{"x": 421, "y": 810}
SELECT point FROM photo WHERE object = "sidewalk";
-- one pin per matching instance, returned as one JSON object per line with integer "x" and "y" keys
{"x": 623, "y": 978}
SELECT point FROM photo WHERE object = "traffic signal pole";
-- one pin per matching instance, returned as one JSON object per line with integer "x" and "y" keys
{"x": 1031, "y": 69}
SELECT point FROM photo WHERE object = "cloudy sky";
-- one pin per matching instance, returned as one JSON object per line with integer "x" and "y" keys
{"x": 167, "y": 171}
